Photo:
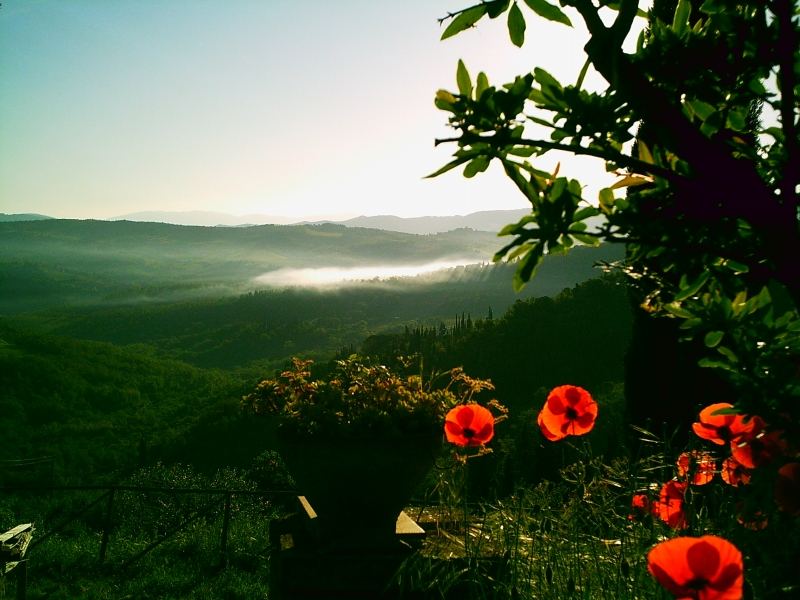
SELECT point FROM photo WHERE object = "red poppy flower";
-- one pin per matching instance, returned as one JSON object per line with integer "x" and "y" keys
{"x": 704, "y": 568}
{"x": 698, "y": 466}
{"x": 669, "y": 507}
{"x": 721, "y": 429}
{"x": 787, "y": 488}
{"x": 469, "y": 425}
{"x": 569, "y": 410}
{"x": 759, "y": 446}
{"x": 735, "y": 473}
{"x": 640, "y": 506}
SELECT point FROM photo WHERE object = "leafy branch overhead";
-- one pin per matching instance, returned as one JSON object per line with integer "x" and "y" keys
{"x": 699, "y": 123}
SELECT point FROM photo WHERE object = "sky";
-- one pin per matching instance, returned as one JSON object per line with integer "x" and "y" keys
{"x": 304, "y": 110}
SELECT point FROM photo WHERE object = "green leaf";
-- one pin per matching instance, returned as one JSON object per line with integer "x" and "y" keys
{"x": 527, "y": 266}
{"x": 736, "y": 267}
{"x": 546, "y": 80}
{"x": 481, "y": 85}
{"x": 524, "y": 151}
{"x": 676, "y": 309}
{"x": 559, "y": 185}
{"x": 464, "y": 20}
{"x": 726, "y": 411}
{"x": 477, "y": 165}
{"x": 539, "y": 98}
{"x": 463, "y": 80}
{"x": 615, "y": 6}
{"x": 497, "y": 8}
{"x": 713, "y": 338}
{"x": 728, "y": 353}
{"x": 548, "y": 11}
{"x": 712, "y": 124}
{"x": 757, "y": 87}
{"x": 701, "y": 109}
{"x": 606, "y": 198}
{"x": 444, "y": 100}
{"x": 690, "y": 289}
{"x": 449, "y": 166}
{"x": 582, "y": 74}
{"x": 588, "y": 240}
{"x": 737, "y": 120}
{"x": 711, "y": 7}
{"x": 692, "y": 323}
{"x": 585, "y": 213}
{"x": 518, "y": 226}
{"x": 680, "y": 20}
{"x": 710, "y": 363}
{"x": 516, "y": 26}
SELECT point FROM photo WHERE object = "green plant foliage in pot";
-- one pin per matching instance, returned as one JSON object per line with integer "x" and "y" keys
{"x": 359, "y": 442}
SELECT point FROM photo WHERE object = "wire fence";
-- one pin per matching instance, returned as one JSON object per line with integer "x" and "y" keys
{"x": 107, "y": 501}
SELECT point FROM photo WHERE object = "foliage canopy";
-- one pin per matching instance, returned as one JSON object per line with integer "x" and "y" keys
{"x": 700, "y": 124}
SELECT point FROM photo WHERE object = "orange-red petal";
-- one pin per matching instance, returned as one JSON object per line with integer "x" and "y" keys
{"x": 705, "y": 568}
{"x": 553, "y": 437}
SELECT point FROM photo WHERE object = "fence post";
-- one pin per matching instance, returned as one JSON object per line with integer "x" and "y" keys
{"x": 108, "y": 523}
{"x": 22, "y": 580}
{"x": 226, "y": 519}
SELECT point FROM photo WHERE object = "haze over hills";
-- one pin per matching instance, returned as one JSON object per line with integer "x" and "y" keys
{"x": 53, "y": 261}
{"x": 60, "y": 262}
{"x": 487, "y": 220}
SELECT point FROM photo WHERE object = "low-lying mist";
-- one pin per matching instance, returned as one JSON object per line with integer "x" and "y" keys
{"x": 326, "y": 277}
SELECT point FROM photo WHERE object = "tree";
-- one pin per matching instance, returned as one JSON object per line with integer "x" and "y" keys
{"x": 707, "y": 197}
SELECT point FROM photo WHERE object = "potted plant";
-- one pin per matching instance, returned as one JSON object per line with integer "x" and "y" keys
{"x": 359, "y": 441}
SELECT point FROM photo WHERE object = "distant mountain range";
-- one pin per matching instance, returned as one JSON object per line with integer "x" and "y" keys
{"x": 487, "y": 220}
{"x": 6, "y": 218}
{"x": 204, "y": 218}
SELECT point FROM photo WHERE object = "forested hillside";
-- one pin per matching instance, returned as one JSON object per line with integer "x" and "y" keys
{"x": 270, "y": 324}
{"x": 97, "y": 409}
{"x": 580, "y": 336}
{"x": 101, "y": 409}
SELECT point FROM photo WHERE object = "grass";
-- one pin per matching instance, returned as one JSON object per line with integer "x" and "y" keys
{"x": 566, "y": 539}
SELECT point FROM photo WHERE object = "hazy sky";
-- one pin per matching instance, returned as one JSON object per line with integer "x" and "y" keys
{"x": 282, "y": 107}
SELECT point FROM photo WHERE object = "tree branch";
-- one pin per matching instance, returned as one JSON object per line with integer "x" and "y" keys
{"x": 720, "y": 184}
{"x": 624, "y": 160}
{"x": 787, "y": 48}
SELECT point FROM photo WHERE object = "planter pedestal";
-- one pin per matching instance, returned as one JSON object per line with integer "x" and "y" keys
{"x": 357, "y": 487}
{"x": 307, "y": 563}
{"x": 349, "y": 535}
